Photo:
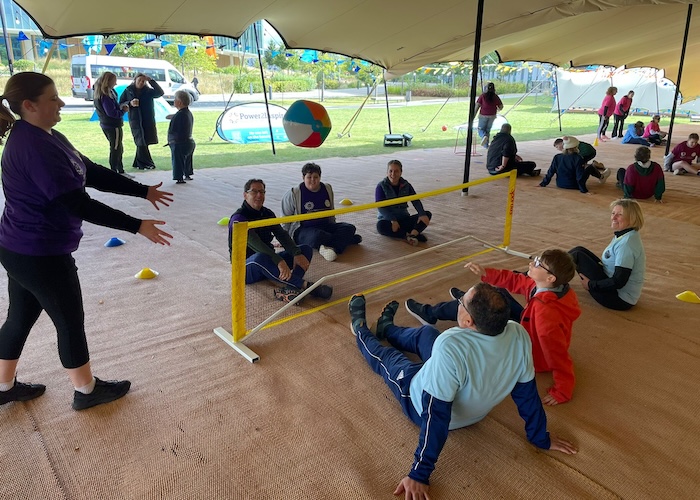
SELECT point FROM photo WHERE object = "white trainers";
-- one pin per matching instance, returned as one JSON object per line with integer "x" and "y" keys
{"x": 604, "y": 176}
{"x": 680, "y": 171}
{"x": 485, "y": 141}
{"x": 327, "y": 253}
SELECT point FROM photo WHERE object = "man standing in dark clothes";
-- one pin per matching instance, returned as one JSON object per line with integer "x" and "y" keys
{"x": 502, "y": 155}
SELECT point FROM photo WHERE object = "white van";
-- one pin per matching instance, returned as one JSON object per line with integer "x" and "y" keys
{"x": 86, "y": 69}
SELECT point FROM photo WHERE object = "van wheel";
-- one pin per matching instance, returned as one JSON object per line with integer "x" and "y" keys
{"x": 193, "y": 97}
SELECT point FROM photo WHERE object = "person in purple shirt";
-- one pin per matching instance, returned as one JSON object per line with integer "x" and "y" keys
{"x": 331, "y": 238}
{"x": 44, "y": 179}
{"x": 263, "y": 262}
{"x": 111, "y": 117}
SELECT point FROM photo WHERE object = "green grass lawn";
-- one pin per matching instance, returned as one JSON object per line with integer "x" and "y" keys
{"x": 531, "y": 120}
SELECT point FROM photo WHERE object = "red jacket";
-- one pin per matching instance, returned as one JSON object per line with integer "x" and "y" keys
{"x": 548, "y": 318}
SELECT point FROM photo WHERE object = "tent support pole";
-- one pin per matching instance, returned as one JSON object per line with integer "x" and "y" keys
{"x": 556, "y": 83}
{"x": 680, "y": 74}
{"x": 8, "y": 42}
{"x": 262, "y": 77}
{"x": 386, "y": 98}
{"x": 472, "y": 94}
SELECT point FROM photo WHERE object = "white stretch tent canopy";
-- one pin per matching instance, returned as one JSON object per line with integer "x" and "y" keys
{"x": 586, "y": 89}
{"x": 403, "y": 36}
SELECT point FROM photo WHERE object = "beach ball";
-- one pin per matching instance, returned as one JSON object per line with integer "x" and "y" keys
{"x": 307, "y": 124}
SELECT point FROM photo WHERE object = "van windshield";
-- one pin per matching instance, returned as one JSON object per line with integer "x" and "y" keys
{"x": 176, "y": 77}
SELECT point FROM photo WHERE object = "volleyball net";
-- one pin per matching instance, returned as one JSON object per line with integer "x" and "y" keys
{"x": 378, "y": 262}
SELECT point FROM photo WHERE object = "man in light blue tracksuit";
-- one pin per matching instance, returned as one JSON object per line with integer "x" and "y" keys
{"x": 464, "y": 373}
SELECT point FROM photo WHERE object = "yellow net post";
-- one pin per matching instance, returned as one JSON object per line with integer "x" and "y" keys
{"x": 239, "y": 243}
{"x": 509, "y": 208}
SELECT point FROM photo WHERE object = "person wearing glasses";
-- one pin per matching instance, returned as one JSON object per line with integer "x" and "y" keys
{"x": 262, "y": 262}
{"x": 331, "y": 238}
{"x": 548, "y": 316}
{"x": 462, "y": 374}
{"x": 615, "y": 281}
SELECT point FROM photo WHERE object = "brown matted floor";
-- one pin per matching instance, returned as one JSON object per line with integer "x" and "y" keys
{"x": 310, "y": 420}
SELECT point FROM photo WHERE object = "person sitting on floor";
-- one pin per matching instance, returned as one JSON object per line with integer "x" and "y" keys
{"x": 615, "y": 280}
{"x": 331, "y": 238}
{"x": 463, "y": 373}
{"x": 684, "y": 157}
{"x": 395, "y": 221}
{"x": 262, "y": 262}
{"x": 585, "y": 150}
{"x": 569, "y": 170}
{"x": 643, "y": 179}
{"x": 548, "y": 316}
{"x": 634, "y": 134}
{"x": 653, "y": 133}
{"x": 503, "y": 155}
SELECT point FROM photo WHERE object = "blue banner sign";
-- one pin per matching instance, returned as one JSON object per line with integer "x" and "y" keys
{"x": 248, "y": 123}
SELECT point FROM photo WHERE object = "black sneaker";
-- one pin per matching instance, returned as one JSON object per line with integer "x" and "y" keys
{"x": 356, "y": 239}
{"x": 421, "y": 238}
{"x": 536, "y": 172}
{"x": 321, "y": 291}
{"x": 22, "y": 392}
{"x": 417, "y": 310}
{"x": 356, "y": 306}
{"x": 386, "y": 319}
{"x": 456, "y": 293}
{"x": 105, "y": 391}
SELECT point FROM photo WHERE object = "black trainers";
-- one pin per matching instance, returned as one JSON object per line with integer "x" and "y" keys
{"x": 456, "y": 293}
{"x": 386, "y": 319}
{"x": 421, "y": 238}
{"x": 356, "y": 239}
{"x": 417, "y": 310}
{"x": 22, "y": 392}
{"x": 286, "y": 294}
{"x": 321, "y": 291}
{"x": 536, "y": 172}
{"x": 105, "y": 391}
{"x": 356, "y": 306}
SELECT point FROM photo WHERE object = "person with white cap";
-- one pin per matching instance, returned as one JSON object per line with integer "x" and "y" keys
{"x": 570, "y": 170}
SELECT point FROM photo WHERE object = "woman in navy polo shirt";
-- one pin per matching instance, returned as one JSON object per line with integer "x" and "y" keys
{"x": 44, "y": 180}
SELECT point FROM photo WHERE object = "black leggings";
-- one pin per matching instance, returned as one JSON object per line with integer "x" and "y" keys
{"x": 48, "y": 284}
{"x": 603, "y": 125}
{"x": 588, "y": 264}
{"x": 618, "y": 128}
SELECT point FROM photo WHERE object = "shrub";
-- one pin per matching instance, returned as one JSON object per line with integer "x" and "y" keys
{"x": 24, "y": 65}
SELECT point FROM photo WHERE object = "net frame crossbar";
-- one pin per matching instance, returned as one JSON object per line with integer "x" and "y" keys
{"x": 240, "y": 240}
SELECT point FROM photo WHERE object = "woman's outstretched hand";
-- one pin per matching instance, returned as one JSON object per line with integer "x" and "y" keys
{"x": 156, "y": 196}
{"x": 150, "y": 230}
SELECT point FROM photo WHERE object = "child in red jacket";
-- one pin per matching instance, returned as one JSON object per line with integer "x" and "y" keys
{"x": 551, "y": 309}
